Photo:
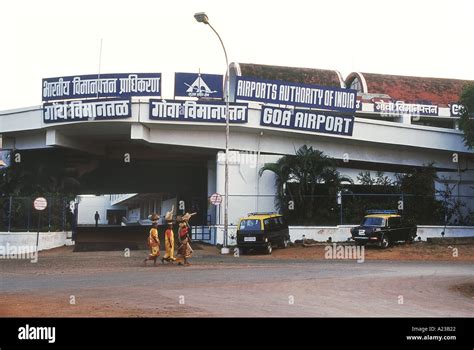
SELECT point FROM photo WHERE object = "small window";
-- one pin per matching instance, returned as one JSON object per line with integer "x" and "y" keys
{"x": 373, "y": 221}
{"x": 250, "y": 225}
{"x": 283, "y": 222}
{"x": 276, "y": 224}
{"x": 279, "y": 220}
{"x": 267, "y": 225}
{"x": 394, "y": 222}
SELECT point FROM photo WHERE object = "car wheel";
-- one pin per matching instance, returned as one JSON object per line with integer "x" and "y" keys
{"x": 242, "y": 251}
{"x": 384, "y": 243}
{"x": 269, "y": 249}
{"x": 284, "y": 243}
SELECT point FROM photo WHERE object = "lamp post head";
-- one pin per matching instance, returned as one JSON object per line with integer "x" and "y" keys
{"x": 201, "y": 17}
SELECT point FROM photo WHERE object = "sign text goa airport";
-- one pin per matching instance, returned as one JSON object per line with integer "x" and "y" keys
{"x": 307, "y": 120}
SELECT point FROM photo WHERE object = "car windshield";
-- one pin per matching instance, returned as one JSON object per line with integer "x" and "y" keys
{"x": 371, "y": 221}
{"x": 250, "y": 225}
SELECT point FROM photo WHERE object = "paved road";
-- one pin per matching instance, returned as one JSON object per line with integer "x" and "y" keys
{"x": 227, "y": 286}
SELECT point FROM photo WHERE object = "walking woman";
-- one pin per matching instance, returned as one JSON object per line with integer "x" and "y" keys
{"x": 169, "y": 238}
{"x": 153, "y": 241}
{"x": 184, "y": 251}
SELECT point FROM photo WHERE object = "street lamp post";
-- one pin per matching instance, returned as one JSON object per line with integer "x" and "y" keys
{"x": 202, "y": 18}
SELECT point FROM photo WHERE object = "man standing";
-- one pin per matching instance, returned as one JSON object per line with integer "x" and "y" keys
{"x": 97, "y": 218}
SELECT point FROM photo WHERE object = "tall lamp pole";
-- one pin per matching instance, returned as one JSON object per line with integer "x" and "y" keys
{"x": 202, "y": 18}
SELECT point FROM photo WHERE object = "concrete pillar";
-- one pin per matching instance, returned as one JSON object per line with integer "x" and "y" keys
{"x": 211, "y": 188}
{"x": 220, "y": 186}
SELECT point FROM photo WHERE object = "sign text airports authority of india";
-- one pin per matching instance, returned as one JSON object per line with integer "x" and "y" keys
{"x": 292, "y": 94}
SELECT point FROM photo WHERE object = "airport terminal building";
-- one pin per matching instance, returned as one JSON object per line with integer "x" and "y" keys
{"x": 136, "y": 153}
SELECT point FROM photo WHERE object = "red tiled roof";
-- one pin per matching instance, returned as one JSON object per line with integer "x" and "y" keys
{"x": 412, "y": 89}
{"x": 295, "y": 75}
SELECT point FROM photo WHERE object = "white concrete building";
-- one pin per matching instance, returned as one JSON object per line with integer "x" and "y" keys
{"x": 397, "y": 124}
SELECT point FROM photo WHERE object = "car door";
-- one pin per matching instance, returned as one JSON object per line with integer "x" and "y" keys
{"x": 277, "y": 230}
{"x": 395, "y": 229}
{"x": 284, "y": 232}
{"x": 267, "y": 228}
{"x": 405, "y": 231}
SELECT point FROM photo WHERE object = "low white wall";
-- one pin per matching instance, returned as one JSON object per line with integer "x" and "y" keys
{"x": 342, "y": 233}
{"x": 47, "y": 240}
{"x": 321, "y": 233}
{"x": 450, "y": 231}
{"x": 318, "y": 233}
{"x": 231, "y": 240}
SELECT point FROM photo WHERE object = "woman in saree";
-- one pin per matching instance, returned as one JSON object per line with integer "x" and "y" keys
{"x": 169, "y": 238}
{"x": 153, "y": 241}
{"x": 184, "y": 235}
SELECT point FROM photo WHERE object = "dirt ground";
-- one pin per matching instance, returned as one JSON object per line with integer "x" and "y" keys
{"x": 419, "y": 251}
{"x": 110, "y": 284}
{"x": 466, "y": 288}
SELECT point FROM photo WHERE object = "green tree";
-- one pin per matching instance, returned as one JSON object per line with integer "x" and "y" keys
{"x": 365, "y": 178}
{"x": 310, "y": 180}
{"x": 465, "y": 123}
{"x": 455, "y": 210}
{"x": 373, "y": 191}
{"x": 419, "y": 202}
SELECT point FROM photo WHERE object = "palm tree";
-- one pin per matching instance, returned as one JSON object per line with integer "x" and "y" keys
{"x": 282, "y": 171}
{"x": 299, "y": 178}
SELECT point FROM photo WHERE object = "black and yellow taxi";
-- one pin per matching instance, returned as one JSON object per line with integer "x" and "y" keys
{"x": 383, "y": 228}
{"x": 262, "y": 231}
